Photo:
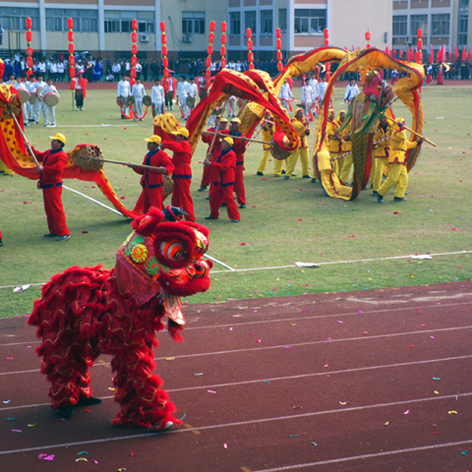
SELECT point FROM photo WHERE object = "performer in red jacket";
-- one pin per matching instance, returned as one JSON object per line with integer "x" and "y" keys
{"x": 239, "y": 150}
{"x": 215, "y": 152}
{"x": 152, "y": 180}
{"x": 182, "y": 175}
{"x": 223, "y": 182}
{"x": 50, "y": 181}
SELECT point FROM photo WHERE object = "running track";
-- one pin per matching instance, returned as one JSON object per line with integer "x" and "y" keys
{"x": 367, "y": 381}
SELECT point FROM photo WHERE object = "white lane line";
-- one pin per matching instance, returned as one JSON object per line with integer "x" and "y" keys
{"x": 243, "y": 423}
{"x": 275, "y": 379}
{"x": 238, "y": 323}
{"x": 366, "y": 456}
{"x": 280, "y": 346}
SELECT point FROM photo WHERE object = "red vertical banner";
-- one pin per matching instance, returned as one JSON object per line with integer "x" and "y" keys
{"x": 165, "y": 60}
{"x": 70, "y": 37}
{"x": 134, "y": 51}
{"x": 223, "y": 46}
{"x": 29, "y": 49}
{"x": 250, "y": 54}
{"x": 278, "y": 45}
{"x": 420, "y": 47}
{"x": 326, "y": 43}
{"x": 211, "y": 39}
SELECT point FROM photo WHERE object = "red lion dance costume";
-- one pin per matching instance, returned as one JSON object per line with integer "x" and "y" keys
{"x": 87, "y": 311}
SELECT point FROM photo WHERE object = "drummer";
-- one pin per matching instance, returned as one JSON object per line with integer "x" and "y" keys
{"x": 49, "y": 112}
{"x": 30, "y": 86}
{"x": 21, "y": 85}
{"x": 124, "y": 91}
{"x": 138, "y": 92}
{"x": 39, "y": 103}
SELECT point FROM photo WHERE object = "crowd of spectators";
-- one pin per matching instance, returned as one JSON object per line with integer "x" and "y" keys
{"x": 56, "y": 66}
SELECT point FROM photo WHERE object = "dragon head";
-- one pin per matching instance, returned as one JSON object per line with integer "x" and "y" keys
{"x": 163, "y": 256}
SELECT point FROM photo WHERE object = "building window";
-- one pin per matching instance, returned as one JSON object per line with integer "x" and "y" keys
{"x": 85, "y": 21}
{"x": 266, "y": 22}
{"x": 15, "y": 18}
{"x": 250, "y": 20}
{"x": 235, "y": 22}
{"x": 440, "y": 25}
{"x": 310, "y": 21}
{"x": 122, "y": 21}
{"x": 400, "y": 25}
{"x": 193, "y": 22}
{"x": 283, "y": 19}
{"x": 418, "y": 22}
{"x": 463, "y": 22}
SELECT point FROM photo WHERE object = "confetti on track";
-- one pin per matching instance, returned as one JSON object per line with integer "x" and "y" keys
{"x": 364, "y": 400}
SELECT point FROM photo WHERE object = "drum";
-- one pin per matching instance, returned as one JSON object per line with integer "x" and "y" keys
{"x": 278, "y": 152}
{"x": 32, "y": 99}
{"x": 190, "y": 102}
{"x": 120, "y": 101}
{"x": 24, "y": 95}
{"x": 38, "y": 93}
{"x": 129, "y": 101}
{"x": 51, "y": 99}
{"x": 168, "y": 186}
{"x": 147, "y": 100}
{"x": 169, "y": 96}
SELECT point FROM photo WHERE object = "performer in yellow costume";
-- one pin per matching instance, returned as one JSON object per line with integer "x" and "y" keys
{"x": 382, "y": 152}
{"x": 300, "y": 125}
{"x": 397, "y": 174}
{"x": 345, "y": 163}
{"x": 268, "y": 128}
{"x": 334, "y": 141}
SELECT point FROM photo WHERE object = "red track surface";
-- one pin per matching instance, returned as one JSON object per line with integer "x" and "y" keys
{"x": 367, "y": 381}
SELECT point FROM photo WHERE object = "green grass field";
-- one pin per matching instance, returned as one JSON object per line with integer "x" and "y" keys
{"x": 284, "y": 222}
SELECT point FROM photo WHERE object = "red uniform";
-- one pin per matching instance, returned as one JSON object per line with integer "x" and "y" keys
{"x": 222, "y": 185}
{"x": 50, "y": 181}
{"x": 152, "y": 181}
{"x": 182, "y": 176}
{"x": 239, "y": 150}
{"x": 208, "y": 138}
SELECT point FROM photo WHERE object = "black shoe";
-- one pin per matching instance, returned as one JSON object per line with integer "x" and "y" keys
{"x": 374, "y": 194}
{"x": 313, "y": 180}
{"x": 208, "y": 198}
{"x": 234, "y": 221}
{"x": 223, "y": 205}
{"x": 243, "y": 205}
{"x": 65, "y": 237}
{"x": 380, "y": 199}
{"x": 283, "y": 172}
{"x": 259, "y": 173}
{"x": 398, "y": 199}
{"x": 51, "y": 235}
{"x": 202, "y": 188}
{"x": 210, "y": 218}
{"x": 85, "y": 401}
{"x": 1, "y": 243}
{"x": 306, "y": 177}
{"x": 293, "y": 175}
{"x": 286, "y": 177}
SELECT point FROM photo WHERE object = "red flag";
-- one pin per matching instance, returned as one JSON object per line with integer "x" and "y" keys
{"x": 400, "y": 54}
{"x": 407, "y": 53}
{"x": 450, "y": 54}
{"x": 456, "y": 53}
{"x": 431, "y": 55}
{"x": 393, "y": 53}
{"x": 464, "y": 54}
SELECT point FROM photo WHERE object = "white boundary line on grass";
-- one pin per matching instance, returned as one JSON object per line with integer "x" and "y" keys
{"x": 293, "y": 266}
{"x": 96, "y": 126}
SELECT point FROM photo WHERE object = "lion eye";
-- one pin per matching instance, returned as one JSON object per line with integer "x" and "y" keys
{"x": 173, "y": 250}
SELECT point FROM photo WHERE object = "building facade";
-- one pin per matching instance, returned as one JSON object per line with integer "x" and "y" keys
{"x": 443, "y": 22}
{"x": 103, "y": 27}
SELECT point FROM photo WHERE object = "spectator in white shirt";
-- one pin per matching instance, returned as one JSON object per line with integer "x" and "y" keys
{"x": 138, "y": 93}
{"x": 157, "y": 97}
{"x": 285, "y": 95}
{"x": 351, "y": 91}
{"x": 116, "y": 69}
